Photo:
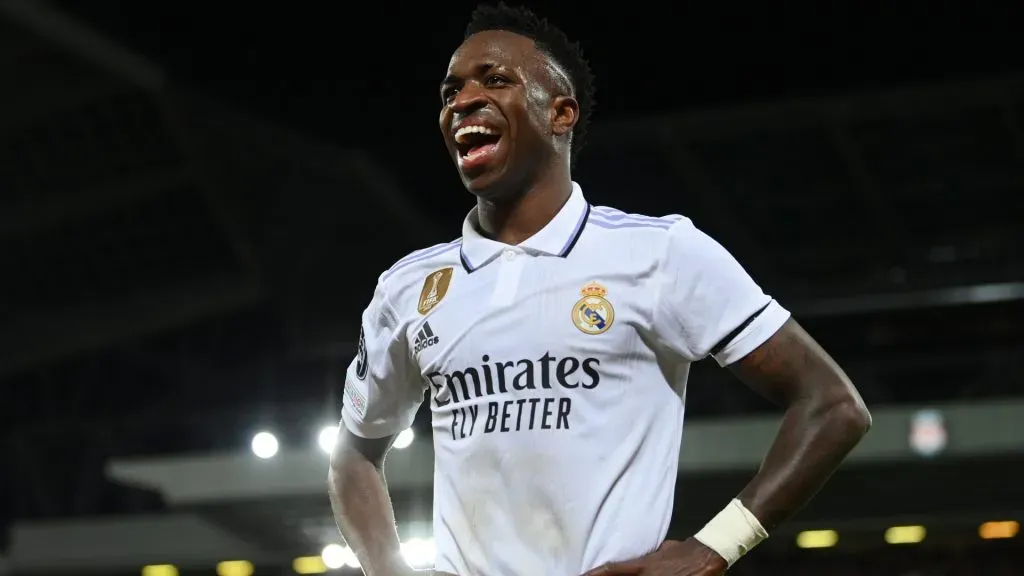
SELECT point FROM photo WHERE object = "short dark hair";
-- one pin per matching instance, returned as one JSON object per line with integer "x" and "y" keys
{"x": 553, "y": 42}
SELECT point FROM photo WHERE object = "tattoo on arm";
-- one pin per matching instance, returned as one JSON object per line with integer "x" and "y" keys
{"x": 824, "y": 420}
{"x": 781, "y": 369}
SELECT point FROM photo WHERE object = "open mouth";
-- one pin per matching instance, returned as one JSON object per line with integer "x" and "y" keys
{"x": 475, "y": 143}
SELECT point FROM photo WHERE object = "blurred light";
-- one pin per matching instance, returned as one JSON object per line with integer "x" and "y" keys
{"x": 350, "y": 558}
{"x": 264, "y": 445}
{"x": 335, "y": 556}
{"x": 327, "y": 438}
{"x": 309, "y": 565}
{"x": 234, "y": 568}
{"x": 817, "y": 538}
{"x": 405, "y": 438}
{"x": 905, "y": 534}
{"x": 419, "y": 553}
{"x": 160, "y": 570}
{"x": 928, "y": 436}
{"x": 998, "y": 530}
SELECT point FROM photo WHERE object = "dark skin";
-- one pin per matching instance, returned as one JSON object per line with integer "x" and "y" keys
{"x": 824, "y": 419}
{"x": 500, "y": 79}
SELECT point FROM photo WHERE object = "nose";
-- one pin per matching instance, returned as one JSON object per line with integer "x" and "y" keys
{"x": 468, "y": 100}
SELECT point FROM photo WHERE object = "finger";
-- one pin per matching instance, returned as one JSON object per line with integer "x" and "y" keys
{"x": 616, "y": 569}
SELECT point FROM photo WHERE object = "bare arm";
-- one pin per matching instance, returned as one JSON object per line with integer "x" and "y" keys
{"x": 362, "y": 507}
{"x": 825, "y": 418}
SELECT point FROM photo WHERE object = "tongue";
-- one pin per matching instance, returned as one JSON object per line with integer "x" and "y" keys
{"x": 481, "y": 149}
{"x": 479, "y": 154}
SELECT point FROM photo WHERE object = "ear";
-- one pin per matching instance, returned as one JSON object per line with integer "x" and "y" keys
{"x": 565, "y": 111}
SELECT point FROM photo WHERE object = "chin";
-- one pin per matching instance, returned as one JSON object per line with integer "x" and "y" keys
{"x": 481, "y": 186}
{"x": 491, "y": 189}
{"x": 491, "y": 184}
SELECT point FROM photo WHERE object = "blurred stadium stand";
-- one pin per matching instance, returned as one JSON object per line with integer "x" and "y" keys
{"x": 175, "y": 260}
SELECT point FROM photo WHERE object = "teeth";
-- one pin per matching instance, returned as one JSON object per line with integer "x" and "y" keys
{"x": 460, "y": 135}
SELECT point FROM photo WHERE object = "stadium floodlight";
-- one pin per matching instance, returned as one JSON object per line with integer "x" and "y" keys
{"x": 264, "y": 445}
{"x": 335, "y": 556}
{"x": 419, "y": 553}
{"x": 404, "y": 438}
{"x": 328, "y": 435}
{"x": 350, "y": 558}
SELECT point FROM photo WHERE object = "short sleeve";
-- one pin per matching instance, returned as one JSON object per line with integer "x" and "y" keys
{"x": 706, "y": 303}
{"x": 382, "y": 390}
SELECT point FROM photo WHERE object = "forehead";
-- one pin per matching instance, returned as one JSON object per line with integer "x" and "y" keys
{"x": 495, "y": 47}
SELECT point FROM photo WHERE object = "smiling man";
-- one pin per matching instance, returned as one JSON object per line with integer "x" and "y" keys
{"x": 553, "y": 341}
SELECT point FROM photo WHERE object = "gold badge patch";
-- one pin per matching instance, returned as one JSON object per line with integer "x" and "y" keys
{"x": 593, "y": 314}
{"x": 434, "y": 289}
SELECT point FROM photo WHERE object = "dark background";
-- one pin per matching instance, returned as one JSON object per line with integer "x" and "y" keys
{"x": 187, "y": 259}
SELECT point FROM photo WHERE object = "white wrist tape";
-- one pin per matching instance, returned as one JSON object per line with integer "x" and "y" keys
{"x": 732, "y": 533}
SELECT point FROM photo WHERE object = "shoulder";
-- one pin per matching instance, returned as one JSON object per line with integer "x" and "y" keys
{"x": 410, "y": 271}
{"x": 613, "y": 219}
{"x": 655, "y": 233}
{"x": 672, "y": 239}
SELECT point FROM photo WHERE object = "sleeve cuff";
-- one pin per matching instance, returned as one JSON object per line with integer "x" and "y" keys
{"x": 368, "y": 430}
{"x": 756, "y": 333}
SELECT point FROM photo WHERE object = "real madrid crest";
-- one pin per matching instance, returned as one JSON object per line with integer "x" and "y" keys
{"x": 593, "y": 314}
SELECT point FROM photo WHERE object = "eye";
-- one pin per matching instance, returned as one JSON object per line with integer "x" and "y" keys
{"x": 495, "y": 80}
{"x": 448, "y": 94}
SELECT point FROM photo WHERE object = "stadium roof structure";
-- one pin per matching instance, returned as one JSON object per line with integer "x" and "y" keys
{"x": 228, "y": 506}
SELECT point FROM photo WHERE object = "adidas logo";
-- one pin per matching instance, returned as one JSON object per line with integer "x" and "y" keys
{"x": 424, "y": 338}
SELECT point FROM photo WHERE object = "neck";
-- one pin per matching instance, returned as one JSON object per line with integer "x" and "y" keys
{"x": 514, "y": 219}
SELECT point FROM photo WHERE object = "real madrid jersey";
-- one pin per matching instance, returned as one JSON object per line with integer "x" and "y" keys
{"x": 555, "y": 371}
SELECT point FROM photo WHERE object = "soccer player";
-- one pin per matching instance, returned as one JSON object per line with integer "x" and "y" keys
{"x": 553, "y": 342}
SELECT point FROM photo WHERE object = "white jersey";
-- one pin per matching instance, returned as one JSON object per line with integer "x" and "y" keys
{"x": 556, "y": 376}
